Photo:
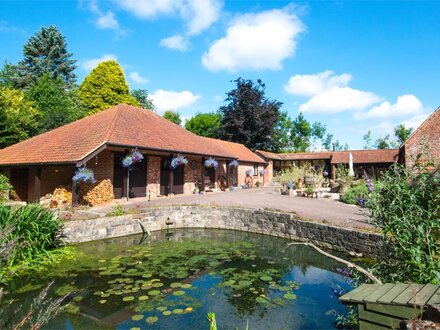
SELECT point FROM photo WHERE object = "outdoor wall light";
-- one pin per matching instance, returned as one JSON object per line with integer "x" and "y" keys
{"x": 96, "y": 160}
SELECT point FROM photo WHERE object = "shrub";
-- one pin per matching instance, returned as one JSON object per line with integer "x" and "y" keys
{"x": 34, "y": 227}
{"x": 5, "y": 188}
{"x": 406, "y": 207}
{"x": 354, "y": 193}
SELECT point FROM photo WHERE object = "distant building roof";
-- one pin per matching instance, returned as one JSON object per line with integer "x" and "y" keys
{"x": 121, "y": 125}
{"x": 238, "y": 150}
{"x": 338, "y": 157}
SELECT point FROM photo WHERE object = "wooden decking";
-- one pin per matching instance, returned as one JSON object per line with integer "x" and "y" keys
{"x": 385, "y": 306}
{"x": 394, "y": 294}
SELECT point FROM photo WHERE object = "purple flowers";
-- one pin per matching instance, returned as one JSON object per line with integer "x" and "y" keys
{"x": 344, "y": 272}
{"x": 361, "y": 201}
{"x": 133, "y": 158}
{"x": 178, "y": 161}
{"x": 325, "y": 173}
{"x": 233, "y": 163}
{"x": 210, "y": 162}
{"x": 370, "y": 185}
{"x": 84, "y": 175}
{"x": 262, "y": 172}
{"x": 248, "y": 172}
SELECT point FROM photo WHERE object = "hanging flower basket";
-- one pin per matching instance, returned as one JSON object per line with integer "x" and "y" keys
{"x": 211, "y": 163}
{"x": 248, "y": 172}
{"x": 134, "y": 157}
{"x": 84, "y": 175}
{"x": 262, "y": 172}
{"x": 233, "y": 163}
{"x": 178, "y": 161}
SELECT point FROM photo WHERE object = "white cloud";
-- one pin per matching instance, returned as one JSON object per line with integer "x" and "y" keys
{"x": 168, "y": 100}
{"x": 104, "y": 20}
{"x": 339, "y": 99}
{"x": 255, "y": 42}
{"x": 415, "y": 121}
{"x": 90, "y": 64}
{"x": 197, "y": 15}
{"x": 137, "y": 78}
{"x": 177, "y": 42}
{"x": 405, "y": 105}
{"x": 313, "y": 84}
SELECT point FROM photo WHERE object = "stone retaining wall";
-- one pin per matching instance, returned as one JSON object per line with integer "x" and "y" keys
{"x": 266, "y": 222}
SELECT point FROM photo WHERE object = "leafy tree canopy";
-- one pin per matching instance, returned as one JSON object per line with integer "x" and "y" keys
{"x": 46, "y": 53}
{"x": 57, "y": 106}
{"x": 18, "y": 117}
{"x": 173, "y": 117}
{"x": 104, "y": 87}
{"x": 204, "y": 124}
{"x": 141, "y": 95}
{"x": 304, "y": 133}
{"x": 402, "y": 133}
{"x": 249, "y": 117}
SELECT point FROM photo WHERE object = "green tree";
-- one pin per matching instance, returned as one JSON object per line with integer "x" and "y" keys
{"x": 141, "y": 95}
{"x": 402, "y": 133}
{"x": 173, "y": 117}
{"x": 383, "y": 143}
{"x": 45, "y": 53}
{"x": 104, "y": 87}
{"x": 57, "y": 106}
{"x": 249, "y": 116}
{"x": 204, "y": 124}
{"x": 282, "y": 141}
{"x": 304, "y": 134}
{"x": 18, "y": 117}
{"x": 327, "y": 142}
{"x": 8, "y": 76}
{"x": 368, "y": 140}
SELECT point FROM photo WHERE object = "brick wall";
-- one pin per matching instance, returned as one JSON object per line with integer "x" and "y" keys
{"x": 193, "y": 174}
{"x": 102, "y": 166}
{"x": 428, "y": 135}
{"x": 243, "y": 167}
{"x": 153, "y": 175}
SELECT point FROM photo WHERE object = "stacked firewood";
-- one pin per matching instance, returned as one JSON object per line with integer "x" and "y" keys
{"x": 61, "y": 196}
{"x": 96, "y": 193}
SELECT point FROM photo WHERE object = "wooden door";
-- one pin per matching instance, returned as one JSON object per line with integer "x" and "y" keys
{"x": 118, "y": 175}
{"x": 164, "y": 175}
{"x": 138, "y": 179}
{"x": 19, "y": 180}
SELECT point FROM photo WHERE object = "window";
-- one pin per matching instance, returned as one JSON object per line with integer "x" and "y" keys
{"x": 255, "y": 169}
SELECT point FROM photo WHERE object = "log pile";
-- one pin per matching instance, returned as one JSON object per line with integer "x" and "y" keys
{"x": 62, "y": 196}
{"x": 97, "y": 193}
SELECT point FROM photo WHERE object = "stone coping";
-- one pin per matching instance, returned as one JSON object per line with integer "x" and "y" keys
{"x": 268, "y": 222}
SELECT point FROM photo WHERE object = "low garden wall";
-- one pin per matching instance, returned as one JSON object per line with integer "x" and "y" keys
{"x": 266, "y": 222}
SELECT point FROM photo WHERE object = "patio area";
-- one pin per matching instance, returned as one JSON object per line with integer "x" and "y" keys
{"x": 323, "y": 210}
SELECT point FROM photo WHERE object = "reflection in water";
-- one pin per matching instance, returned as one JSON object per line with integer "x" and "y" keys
{"x": 172, "y": 279}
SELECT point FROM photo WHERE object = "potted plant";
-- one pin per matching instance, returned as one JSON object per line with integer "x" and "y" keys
{"x": 211, "y": 163}
{"x": 178, "y": 161}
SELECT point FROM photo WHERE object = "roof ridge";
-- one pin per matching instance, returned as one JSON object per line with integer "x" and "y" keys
{"x": 112, "y": 124}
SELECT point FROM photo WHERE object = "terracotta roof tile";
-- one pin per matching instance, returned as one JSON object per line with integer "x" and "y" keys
{"x": 338, "y": 157}
{"x": 120, "y": 125}
{"x": 240, "y": 151}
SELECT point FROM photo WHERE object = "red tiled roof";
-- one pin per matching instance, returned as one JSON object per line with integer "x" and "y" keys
{"x": 121, "y": 125}
{"x": 365, "y": 156}
{"x": 339, "y": 157}
{"x": 240, "y": 151}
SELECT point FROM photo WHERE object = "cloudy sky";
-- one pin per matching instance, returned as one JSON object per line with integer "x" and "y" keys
{"x": 353, "y": 65}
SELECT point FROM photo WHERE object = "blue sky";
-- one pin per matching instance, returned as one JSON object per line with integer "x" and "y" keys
{"x": 353, "y": 65}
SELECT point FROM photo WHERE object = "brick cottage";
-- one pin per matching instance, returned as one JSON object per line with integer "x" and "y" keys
{"x": 100, "y": 142}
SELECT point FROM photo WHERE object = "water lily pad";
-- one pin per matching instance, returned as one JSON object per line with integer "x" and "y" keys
{"x": 137, "y": 317}
{"x": 142, "y": 298}
{"x": 132, "y": 270}
{"x": 152, "y": 319}
{"x": 78, "y": 298}
{"x": 157, "y": 285}
{"x": 135, "y": 328}
{"x": 166, "y": 313}
{"x": 261, "y": 300}
{"x": 154, "y": 292}
{"x": 178, "y": 293}
{"x": 244, "y": 283}
{"x": 103, "y": 301}
{"x": 161, "y": 308}
{"x": 186, "y": 286}
{"x": 29, "y": 287}
{"x": 188, "y": 310}
{"x": 128, "y": 298}
{"x": 175, "y": 285}
{"x": 102, "y": 260}
{"x": 105, "y": 295}
{"x": 266, "y": 278}
{"x": 177, "y": 311}
{"x": 146, "y": 275}
{"x": 289, "y": 296}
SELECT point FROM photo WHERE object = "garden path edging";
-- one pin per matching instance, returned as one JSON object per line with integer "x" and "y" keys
{"x": 274, "y": 223}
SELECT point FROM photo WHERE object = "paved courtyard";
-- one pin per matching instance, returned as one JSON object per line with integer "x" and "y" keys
{"x": 321, "y": 209}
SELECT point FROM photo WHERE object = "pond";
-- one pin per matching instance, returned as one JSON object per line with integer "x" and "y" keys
{"x": 171, "y": 280}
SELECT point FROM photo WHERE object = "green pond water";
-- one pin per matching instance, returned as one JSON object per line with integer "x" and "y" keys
{"x": 171, "y": 280}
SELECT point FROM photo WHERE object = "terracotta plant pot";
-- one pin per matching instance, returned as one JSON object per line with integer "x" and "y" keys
{"x": 299, "y": 184}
